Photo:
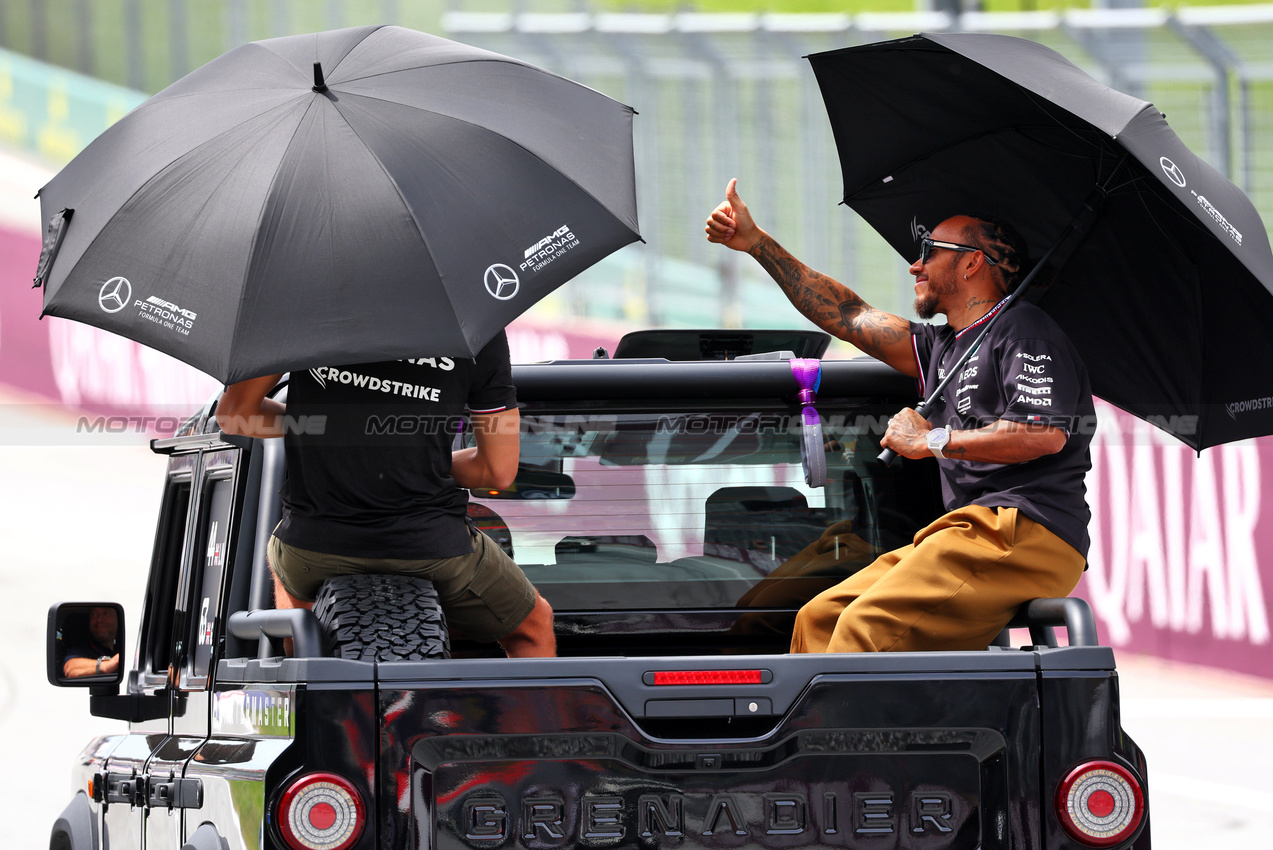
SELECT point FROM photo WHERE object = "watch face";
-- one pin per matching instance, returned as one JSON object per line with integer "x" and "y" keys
{"x": 937, "y": 440}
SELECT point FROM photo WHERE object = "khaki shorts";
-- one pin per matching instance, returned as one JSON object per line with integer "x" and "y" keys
{"x": 484, "y": 595}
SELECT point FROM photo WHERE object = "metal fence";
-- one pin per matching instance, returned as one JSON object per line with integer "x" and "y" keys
{"x": 720, "y": 96}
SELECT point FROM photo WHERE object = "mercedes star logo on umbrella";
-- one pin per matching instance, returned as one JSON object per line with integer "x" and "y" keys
{"x": 115, "y": 294}
{"x": 501, "y": 282}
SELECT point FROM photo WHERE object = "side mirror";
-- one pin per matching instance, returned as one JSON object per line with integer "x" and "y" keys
{"x": 85, "y": 646}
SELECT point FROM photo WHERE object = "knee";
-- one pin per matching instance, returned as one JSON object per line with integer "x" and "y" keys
{"x": 803, "y": 618}
{"x": 534, "y": 635}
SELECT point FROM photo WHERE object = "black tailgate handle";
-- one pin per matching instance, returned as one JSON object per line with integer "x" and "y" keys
{"x": 297, "y": 623}
{"x": 1041, "y": 615}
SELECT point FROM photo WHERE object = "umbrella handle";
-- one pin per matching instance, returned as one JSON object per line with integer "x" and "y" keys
{"x": 887, "y": 456}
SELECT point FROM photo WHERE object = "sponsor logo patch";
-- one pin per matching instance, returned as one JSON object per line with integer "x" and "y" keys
{"x": 548, "y": 249}
{"x": 117, "y": 293}
{"x": 1219, "y": 219}
{"x": 165, "y": 313}
{"x": 1234, "y": 408}
{"x": 323, "y": 374}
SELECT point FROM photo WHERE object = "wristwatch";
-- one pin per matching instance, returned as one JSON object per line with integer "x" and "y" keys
{"x": 99, "y": 662}
{"x": 937, "y": 440}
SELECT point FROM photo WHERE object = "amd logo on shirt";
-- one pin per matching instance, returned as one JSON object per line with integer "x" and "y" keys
{"x": 1033, "y": 379}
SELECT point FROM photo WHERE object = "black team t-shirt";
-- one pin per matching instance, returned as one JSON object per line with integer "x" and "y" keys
{"x": 376, "y": 482}
{"x": 1026, "y": 370}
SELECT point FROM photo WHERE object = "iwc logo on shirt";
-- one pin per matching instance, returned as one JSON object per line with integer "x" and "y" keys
{"x": 1033, "y": 380}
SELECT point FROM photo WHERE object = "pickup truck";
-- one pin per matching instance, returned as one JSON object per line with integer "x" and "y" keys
{"x": 676, "y": 506}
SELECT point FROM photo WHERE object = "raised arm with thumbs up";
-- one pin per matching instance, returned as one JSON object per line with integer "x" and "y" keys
{"x": 826, "y": 302}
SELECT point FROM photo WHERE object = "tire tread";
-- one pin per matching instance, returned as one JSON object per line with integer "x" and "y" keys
{"x": 378, "y": 617}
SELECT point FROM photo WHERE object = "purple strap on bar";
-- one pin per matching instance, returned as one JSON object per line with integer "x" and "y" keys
{"x": 808, "y": 375}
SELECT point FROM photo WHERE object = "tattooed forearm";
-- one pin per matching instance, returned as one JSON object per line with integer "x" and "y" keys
{"x": 832, "y": 306}
{"x": 813, "y": 293}
{"x": 807, "y": 289}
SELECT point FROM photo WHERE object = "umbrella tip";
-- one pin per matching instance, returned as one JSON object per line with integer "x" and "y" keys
{"x": 319, "y": 85}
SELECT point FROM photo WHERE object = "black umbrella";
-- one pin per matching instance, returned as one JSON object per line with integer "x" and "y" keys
{"x": 350, "y": 196}
{"x": 1164, "y": 280}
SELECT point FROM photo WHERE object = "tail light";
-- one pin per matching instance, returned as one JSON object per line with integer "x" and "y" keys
{"x": 1100, "y": 804}
{"x": 708, "y": 677}
{"x": 321, "y": 811}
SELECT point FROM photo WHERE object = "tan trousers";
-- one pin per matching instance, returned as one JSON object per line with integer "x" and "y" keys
{"x": 955, "y": 587}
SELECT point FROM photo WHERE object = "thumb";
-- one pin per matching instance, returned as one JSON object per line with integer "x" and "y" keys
{"x": 741, "y": 214}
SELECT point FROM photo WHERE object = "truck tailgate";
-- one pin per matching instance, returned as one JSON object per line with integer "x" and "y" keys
{"x": 842, "y": 751}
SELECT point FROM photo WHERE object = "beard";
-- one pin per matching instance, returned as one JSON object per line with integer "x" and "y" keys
{"x": 926, "y": 305}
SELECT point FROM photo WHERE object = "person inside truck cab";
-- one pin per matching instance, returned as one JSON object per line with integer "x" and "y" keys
{"x": 96, "y": 654}
{"x": 1005, "y": 434}
{"x": 373, "y": 484}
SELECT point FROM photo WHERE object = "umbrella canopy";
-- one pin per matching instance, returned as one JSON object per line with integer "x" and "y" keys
{"x": 350, "y": 196}
{"x": 1167, "y": 296}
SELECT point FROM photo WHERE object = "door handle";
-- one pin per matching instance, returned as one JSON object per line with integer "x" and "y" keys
{"x": 127, "y": 788}
{"x": 174, "y": 793}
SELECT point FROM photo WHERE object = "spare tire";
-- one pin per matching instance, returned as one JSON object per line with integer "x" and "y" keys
{"x": 381, "y": 618}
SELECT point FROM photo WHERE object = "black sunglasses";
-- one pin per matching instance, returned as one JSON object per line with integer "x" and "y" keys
{"x": 927, "y": 245}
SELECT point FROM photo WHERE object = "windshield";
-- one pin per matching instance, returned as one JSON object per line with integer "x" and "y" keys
{"x": 676, "y": 510}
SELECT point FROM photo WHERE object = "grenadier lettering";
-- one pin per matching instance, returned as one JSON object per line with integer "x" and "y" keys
{"x": 485, "y": 819}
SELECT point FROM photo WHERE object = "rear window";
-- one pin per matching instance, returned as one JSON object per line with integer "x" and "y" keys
{"x": 656, "y": 510}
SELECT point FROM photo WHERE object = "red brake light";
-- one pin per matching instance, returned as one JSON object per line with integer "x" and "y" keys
{"x": 321, "y": 811}
{"x": 1100, "y": 803}
{"x": 707, "y": 677}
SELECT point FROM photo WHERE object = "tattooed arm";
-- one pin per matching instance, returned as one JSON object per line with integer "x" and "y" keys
{"x": 1002, "y": 441}
{"x": 827, "y": 303}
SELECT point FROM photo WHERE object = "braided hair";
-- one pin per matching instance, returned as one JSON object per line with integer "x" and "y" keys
{"x": 1005, "y": 246}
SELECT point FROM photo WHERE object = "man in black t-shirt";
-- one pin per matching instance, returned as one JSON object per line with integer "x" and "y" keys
{"x": 97, "y": 654}
{"x": 1011, "y": 435}
{"x": 374, "y": 486}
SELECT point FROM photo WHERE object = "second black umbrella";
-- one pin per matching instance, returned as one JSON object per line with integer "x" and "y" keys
{"x": 1170, "y": 289}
